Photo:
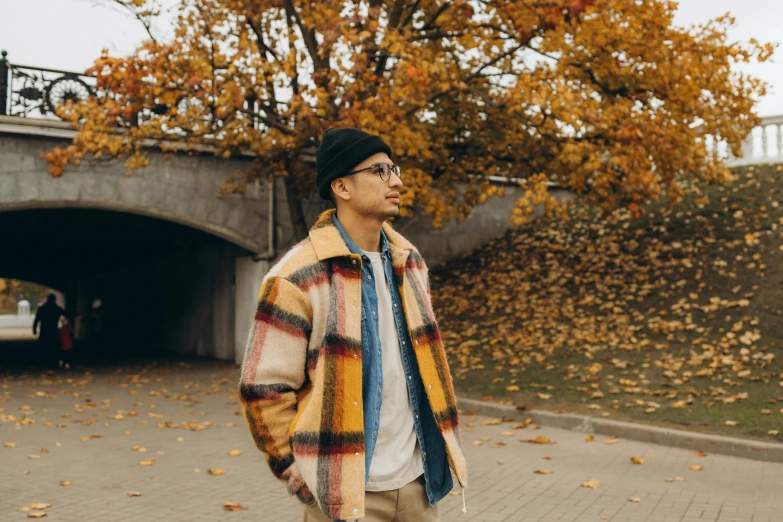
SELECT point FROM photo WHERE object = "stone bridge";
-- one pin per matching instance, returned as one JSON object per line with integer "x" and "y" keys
{"x": 177, "y": 267}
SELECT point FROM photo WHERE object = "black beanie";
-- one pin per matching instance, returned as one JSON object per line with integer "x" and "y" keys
{"x": 340, "y": 151}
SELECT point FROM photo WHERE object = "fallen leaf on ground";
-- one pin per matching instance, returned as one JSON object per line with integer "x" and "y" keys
{"x": 36, "y": 514}
{"x": 613, "y": 440}
{"x": 696, "y": 467}
{"x": 134, "y": 493}
{"x": 234, "y": 453}
{"x": 543, "y": 471}
{"x": 592, "y": 483}
{"x": 492, "y": 422}
{"x": 637, "y": 460}
{"x": 674, "y": 479}
{"x": 538, "y": 440}
{"x": 506, "y": 433}
{"x": 731, "y": 423}
{"x": 701, "y": 453}
{"x": 498, "y": 444}
{"x": 216, "y": 471}
{"x": 589, "y": 438}
{"x": 522, "y": 425}
{"x": 9, "y": 444}
{"x": 36, "y": 505}
{"x": 233, "y": 506}
{"x": 140, "y": 449}
{"x": 65, "y": 482}
{"x": 147, "y": 462}
{"x": 634, "y": 499}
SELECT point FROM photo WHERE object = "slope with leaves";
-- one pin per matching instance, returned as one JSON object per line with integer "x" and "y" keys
{"x": 674, "y": 317}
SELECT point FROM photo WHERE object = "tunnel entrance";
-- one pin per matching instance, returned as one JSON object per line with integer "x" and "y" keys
{"x": 134, "y": 286}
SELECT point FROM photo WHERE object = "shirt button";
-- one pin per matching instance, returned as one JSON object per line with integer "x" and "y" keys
{"x": 395, "y": 305}
{"x": 355, "y": 510}
{"x": 373, "y": 313}
{"x": 430, "y": 386}
{"x": 379, "y": 352}
{"x": 403, "y": 343}
{"x": 355, "y": 403}
{"x": 357, "y": 453}
{"x": 381, "y": 390}
{"x": 409, "y": 377}
{"x": 417, "y": 416}
{"x": 369, "y": 277}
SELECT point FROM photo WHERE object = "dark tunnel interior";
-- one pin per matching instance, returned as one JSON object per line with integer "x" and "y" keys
{"x": 152, "y": 276}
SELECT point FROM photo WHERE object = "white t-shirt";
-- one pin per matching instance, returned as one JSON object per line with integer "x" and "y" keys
{"x": 397, "y": 459}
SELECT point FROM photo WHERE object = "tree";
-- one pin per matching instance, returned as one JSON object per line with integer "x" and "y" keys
{"x": 13, "y": 290}
{"x": 607, "y": 98}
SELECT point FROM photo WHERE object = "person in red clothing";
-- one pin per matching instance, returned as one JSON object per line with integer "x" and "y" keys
{"x": 66, "y": 343}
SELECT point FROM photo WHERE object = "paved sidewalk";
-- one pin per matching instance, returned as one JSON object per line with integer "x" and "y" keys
{"x": 187, "y": 419}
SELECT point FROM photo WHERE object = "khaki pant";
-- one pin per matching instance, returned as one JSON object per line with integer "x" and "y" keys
{"x": 407, "y": 504}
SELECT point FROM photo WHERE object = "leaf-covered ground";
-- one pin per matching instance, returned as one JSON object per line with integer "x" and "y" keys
{"x": 674, "y": 318}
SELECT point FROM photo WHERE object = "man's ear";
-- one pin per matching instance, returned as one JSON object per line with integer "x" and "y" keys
{"x": 340, "y": 189}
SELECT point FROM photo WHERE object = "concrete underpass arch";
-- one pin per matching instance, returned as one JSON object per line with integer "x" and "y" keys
{"x": 182, "y": 188}
{"x": 129, "y": 208}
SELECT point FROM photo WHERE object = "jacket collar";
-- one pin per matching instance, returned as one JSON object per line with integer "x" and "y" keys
{"x": 328, "y": 241}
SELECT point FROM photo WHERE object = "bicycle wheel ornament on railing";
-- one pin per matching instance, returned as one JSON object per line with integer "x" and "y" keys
{"x": 34, "y": 92}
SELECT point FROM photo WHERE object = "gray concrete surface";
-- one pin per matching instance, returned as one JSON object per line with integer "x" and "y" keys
{"x": 199, "y": 405}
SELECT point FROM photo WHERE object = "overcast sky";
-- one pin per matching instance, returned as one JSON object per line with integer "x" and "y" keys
{"x": 69, "y": 34}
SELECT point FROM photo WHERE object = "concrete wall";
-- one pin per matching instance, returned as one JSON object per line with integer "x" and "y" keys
{"x": 485, "y": 223}
{"x": 185, "y": 189}
{"x": 249, "y": 275}
{"x": 183, "y": 304}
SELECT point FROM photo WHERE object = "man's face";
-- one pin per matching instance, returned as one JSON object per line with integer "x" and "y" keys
{"x": 368, "y": 194}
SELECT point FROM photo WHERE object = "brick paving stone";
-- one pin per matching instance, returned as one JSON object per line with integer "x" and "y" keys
{"x": 503, "y": 487}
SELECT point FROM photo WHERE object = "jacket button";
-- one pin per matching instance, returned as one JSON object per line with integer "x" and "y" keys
{"x": 430, "y": 386}
{"x": 357, "y": 453}
{"x": 355, "y": 403}
{"x": 355, "y": 510}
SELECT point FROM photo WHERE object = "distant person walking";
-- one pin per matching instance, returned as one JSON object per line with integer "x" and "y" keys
{"x": 48, "y": 316}
{"x": 66, "y": 343}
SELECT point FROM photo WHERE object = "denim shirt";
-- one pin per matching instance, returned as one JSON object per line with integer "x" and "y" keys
{"x": 437, "y": 474}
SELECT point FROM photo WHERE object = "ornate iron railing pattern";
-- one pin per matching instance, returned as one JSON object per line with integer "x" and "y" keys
{"x": 35, "y": 92}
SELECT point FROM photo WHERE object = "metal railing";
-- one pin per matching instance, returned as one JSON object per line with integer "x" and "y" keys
{"x": 763, "y": 145}
{"x": 35, "y": 92}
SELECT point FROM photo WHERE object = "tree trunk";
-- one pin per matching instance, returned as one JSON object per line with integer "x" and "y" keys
{"x": 295, "y": 209}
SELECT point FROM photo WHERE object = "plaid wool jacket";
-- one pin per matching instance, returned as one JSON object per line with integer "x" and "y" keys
{"x": 301, "y": 380}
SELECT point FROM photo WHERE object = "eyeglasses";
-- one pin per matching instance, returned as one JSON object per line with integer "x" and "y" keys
{"x": 384, "y": 170}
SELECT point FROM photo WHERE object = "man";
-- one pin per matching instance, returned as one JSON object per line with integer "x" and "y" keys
{"x": 345, "y": 385}
{"x": 48, "y": 316}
